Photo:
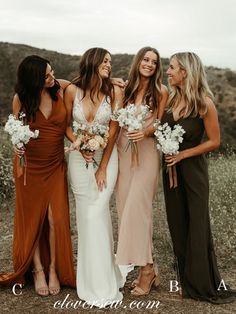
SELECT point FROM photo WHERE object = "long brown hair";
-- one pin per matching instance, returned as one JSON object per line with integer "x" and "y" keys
{"x": 154, "y": 87}
{"x": 30, "y": 83}
{"x": 194, "y": 89}
{"x": 89, "y": 75}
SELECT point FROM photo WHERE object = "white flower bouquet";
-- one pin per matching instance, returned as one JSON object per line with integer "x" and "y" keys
{"x": 20, "y": 133}
{"x": 90, "y": 137}
{"x": 132, "y": 118}
{"x": 168, "y": 141}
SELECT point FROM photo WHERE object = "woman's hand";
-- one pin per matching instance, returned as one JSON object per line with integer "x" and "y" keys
{"x": 19, "y": 151}
{"x": 173, "y": 159}
{"x": 101, "y": 178}
{"x": 119, "y": 82}
{"x": 75, "y": 145}
{"x": 88, "y": 156}
{"x": 136, "y": 136}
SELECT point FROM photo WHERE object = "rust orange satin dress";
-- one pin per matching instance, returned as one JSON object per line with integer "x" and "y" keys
{"x": 46, "y": 183}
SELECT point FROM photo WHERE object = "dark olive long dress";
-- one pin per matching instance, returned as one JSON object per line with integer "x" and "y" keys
{"x": 188, "y": 219}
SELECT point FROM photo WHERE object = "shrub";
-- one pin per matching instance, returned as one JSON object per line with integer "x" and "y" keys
{"x": 6, "y": 168}
{"x": 231, "y": 77}
{"x": 6, "y": 179}
{"x": 222, "y": 170}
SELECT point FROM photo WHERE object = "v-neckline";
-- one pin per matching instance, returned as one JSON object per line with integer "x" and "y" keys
{"x": 99, "y": 106}
{"x": 47, "y": 119}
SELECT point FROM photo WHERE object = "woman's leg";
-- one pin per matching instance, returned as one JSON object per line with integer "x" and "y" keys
{"x": 40, "y": 283}
{"x": 178, "y": 222}
{"x": 54, "y": 284}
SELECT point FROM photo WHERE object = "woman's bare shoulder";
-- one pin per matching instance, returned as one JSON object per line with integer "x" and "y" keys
{"x": 16, "y": 104}
{"x": 63, "y": 83}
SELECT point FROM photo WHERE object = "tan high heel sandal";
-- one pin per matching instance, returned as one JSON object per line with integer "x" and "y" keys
{"x": 54, "y": 290}
{"x": 138, "y": 291}
{"x": 40, "y": 290}
{"x": 135, "y": 282}
{"x": 157, "y": 273}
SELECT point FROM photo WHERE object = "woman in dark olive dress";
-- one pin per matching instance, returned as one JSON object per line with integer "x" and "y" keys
{"x": 191, "y": 106}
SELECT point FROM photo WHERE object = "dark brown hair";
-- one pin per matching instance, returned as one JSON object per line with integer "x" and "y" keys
{"x": 154, "y": 88}
{"x": 30, "y": 83}
{"x": 89, "y": 75}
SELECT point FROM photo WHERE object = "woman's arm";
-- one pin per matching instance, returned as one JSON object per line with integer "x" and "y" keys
{"x": 139, "y": 135}
{"x": 16, "y": 106}
{"x": 163, "y": 101}
{"x": 119, "y": 82}
{"x": 161, "y": 108}
{"x": 113, "y": 131}
{"x": 212, "y": 129}
{"x": 69, "y": 96}
{"x": 63, "y": 85}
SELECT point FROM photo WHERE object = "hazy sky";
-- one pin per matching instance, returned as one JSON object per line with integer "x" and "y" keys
{"x": 207, "y": 27}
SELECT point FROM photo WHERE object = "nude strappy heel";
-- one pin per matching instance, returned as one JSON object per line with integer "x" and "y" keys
{"x": 40, "y": 290}
{"x": 138, "y": 291}
{"x": 54, "y": 290}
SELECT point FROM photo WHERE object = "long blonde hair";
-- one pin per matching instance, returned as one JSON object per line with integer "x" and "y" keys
{"x": 194, "y": 89}
{"x": 154, "y": 88}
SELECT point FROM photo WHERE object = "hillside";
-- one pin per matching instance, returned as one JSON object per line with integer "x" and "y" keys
{"x": 222, "y": 81}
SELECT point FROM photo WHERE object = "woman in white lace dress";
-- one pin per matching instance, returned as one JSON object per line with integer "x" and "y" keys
{"x": 89, "y": 99}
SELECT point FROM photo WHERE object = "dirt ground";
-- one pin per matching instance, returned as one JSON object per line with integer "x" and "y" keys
{"x": 160, "y": 300}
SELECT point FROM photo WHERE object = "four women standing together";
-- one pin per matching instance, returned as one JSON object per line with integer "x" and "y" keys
{"x": 90, "y": 99}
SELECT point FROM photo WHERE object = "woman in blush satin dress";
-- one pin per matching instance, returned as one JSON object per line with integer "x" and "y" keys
{"x": 191, "y": 106}
{"x": 42, "y": 242}
{"x": 137, "y": 183}
{"x": 89, "y": 100}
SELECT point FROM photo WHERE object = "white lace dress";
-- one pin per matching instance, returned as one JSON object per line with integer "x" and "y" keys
{"x": 98, "y": 277}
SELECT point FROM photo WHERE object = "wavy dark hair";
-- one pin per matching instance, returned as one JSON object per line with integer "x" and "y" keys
{"x": 154, "y": 87}
{"x": 30, "y": 83}
{"x": 89, "y": 77}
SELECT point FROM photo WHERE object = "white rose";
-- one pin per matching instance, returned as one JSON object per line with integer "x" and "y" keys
{"x": 99, "y": 139}
{"x": 93, "y": 144}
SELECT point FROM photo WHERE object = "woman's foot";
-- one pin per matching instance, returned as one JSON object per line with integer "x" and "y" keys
{"x": 40, "y": 284}
{"x": 147, "y": 279}
{"x": 53, "y": 284}
{"x": 135, "y": 282}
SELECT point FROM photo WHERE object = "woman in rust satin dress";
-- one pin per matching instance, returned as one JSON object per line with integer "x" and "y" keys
{"x": 42, "y": 243}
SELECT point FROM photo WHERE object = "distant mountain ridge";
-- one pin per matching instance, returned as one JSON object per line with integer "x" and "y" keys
{"x": 221, "y": 81}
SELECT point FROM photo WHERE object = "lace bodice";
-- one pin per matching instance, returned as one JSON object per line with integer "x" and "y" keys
{"x": 103, "y": 114}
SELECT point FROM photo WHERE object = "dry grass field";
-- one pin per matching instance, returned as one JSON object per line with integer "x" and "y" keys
{"x": 222, "y": 171}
